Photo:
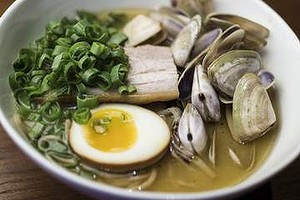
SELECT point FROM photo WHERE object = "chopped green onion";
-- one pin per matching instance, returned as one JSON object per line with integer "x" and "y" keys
{"x": 117, "y": 38}
{"x": 94, "y": 32}
{"x": 71, "y": 73}
{"x": 98, "y": 78}
{"x": 87, "y": 62}
{"x": 36, "y": 131}
{"x": 79, "y": 49}
{"x": 44, "y": 61}
{"x": 131, "y": 89}
{"x": 23, "y": 103}
{"x": 58, "y": 62}
{"x": 100, "y": 129}
{"x": 80, "y": 27}
{"x": 51, "y": 143}
{"x": 18, "y": 80}
{"x": 82, "y": 116}
{"x": 66, "y": 42}
{"x": 81, "y": 88}
{"x": 100, "y": 50}
{"x": 55, "y": 71}
{"x": 51, "y": 112}
{"x": 118, "y": 75}
{"x": 87, "y": 101}
{"x": 59, "y": 49}
{"x": 123, "y": 90}
{"x": 55, "y": 27}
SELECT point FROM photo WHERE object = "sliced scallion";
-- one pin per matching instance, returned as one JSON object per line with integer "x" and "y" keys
{"x": 82, "y": 116}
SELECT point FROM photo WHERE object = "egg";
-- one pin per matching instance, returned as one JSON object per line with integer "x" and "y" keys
{"x": 121, "y": 137}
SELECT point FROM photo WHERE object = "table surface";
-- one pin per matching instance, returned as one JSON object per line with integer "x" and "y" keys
{"x": 20, "y": 179}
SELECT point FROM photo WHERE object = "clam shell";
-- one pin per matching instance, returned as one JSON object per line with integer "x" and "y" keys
{"x": 204, "y": 96}
{"x": 266, "y": 78}
{"x": 229, "y": 40}
{"x": 226, "y": 71}
{"x": 170, "y": 21}
{"x": 191, "y": 130}
{"x": 256, "y": 34}
{"x": 185, "y": 41}
{"x": 251, "y": 27}
{"x": 140, "y": 29}
{"x": 205, "y": 41}
{"x": 252, "y": 113}
{"x": 185, "y": 82}
{"x": 192, "y": 7}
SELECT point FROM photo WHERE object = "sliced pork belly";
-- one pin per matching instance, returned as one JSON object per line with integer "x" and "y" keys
{"x": 152, "y": 72}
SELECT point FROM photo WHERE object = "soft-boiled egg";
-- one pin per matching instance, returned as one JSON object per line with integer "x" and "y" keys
{"x": 121, "y": 137}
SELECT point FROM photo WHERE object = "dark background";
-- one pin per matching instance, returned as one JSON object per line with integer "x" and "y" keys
{"x": 20, "y": 179}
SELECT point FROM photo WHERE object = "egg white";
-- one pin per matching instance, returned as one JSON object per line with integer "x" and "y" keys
{"x": 153, "y": 137}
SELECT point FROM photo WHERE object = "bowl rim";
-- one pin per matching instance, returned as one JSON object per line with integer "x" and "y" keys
{"x": 85, "y": 184}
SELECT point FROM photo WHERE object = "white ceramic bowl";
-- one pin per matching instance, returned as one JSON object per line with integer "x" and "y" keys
{"x": 25, "y": 20}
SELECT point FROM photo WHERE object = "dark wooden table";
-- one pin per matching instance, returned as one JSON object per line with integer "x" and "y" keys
{"x": 20, "y": 179}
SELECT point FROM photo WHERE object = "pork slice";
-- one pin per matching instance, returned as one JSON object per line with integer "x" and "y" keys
{"x": 152, "y": 72}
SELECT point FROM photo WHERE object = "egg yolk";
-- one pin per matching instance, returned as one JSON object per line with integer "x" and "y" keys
{"x": 111, "y": 130}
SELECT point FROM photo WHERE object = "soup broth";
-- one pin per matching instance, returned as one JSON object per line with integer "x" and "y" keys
{"x": 175, "y": 176}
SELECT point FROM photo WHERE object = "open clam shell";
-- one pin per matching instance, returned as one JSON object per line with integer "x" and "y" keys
{"x": 140, "y": 29}
{"x": 185, "y": 41}
{"x": 191, "y": 130}
{"x": 256, "y": 34}
{"x": 252, "y": 113}
{"x": 204, "y": 96}
{"x": 171, "y": 22}
{"x": 193, "y": 7}
{"x": 185, "y": 82}
{"x": 205, "y": 41}
{"x": 229, "y": 40}
{"x": 226, "y": 20}
{"x": 226, "y": 71}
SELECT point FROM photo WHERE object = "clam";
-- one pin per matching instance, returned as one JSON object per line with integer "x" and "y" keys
{"x": 185, "y": 82}
{"x": 170, "y": 22}
{"x": 267, "y": 78}
{"x": 193, "y": 7}
{"x": 173, "y": 12}
{"x": 157, "y": 39}
{"x": 186, "y": 79}
{"x": 226, "y": 71}
{"x": 205, "y": 41}
{"x": 185, "y": 41}
{"x": 171, "y": 116}
{"x": 252, "y": 113}
{"x": 204, "y": 96}
{"x": 229, "y": 40}
{"x": 191, "y": 130}
{"x": 143, "y": 28}
{"x": 255, "y": 36}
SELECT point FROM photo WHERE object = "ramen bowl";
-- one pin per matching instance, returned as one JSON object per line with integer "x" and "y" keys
{"x": 20, "y": 25}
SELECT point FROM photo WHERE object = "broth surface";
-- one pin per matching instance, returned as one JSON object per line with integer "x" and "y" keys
{"x": 174, "y": 176}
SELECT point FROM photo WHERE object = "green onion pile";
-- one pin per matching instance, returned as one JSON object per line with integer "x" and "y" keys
{"x": 73, "y": 55}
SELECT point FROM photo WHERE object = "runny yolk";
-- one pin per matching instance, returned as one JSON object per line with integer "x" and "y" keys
{"x": 111, "y": 130}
